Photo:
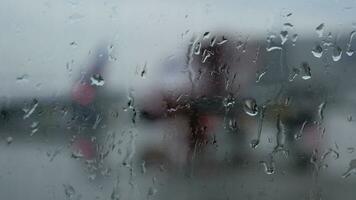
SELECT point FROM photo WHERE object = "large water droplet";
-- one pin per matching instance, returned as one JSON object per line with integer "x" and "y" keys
{"x": 306, "y": 71}
{"x": 269, "y": 167}
{"x": 317, "y": 51}
{"x": 97, "y": 80}
{"x": 250, "y": 107}
{"x": 349, "y": 52}
{"x": 337, "y": 52}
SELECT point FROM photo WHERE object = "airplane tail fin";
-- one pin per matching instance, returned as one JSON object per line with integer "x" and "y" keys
{"x": 84, "y": 90}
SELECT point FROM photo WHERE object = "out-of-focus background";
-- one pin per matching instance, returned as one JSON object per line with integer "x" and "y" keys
{"x": 158, "y": 99}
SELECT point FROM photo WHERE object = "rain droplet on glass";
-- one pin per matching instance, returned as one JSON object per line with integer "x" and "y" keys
{"x": 317, "y": 51}
{"x": 320, "y": 29}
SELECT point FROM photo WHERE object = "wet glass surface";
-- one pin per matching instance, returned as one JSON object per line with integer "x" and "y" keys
{"x": 177, "y": 99}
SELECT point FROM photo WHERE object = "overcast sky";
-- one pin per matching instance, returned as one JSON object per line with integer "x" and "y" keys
{"x": 36, "y": 35}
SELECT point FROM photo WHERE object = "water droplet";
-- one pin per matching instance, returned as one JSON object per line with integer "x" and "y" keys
{"x": 92, "y": 177}
{"x": 321, "y": 109}
{"x": 337, "y": 52}
{"x": 351, "y": 170}
{"x": 152, "y": 191}
{"x": 294, "y": 74}
{"x": 29, "y": 111}
{"x": 288, "y": 25}
{"x": 349, "y": 118}
{"x": 231, "y": 125}
{"x": 206, "y": 54}
{"x": 143, "y": 167}
{"x": 320, "y": 29}
{"x": 281, "y": 135}
{"x": 259, "y": 76}
{"x": 115, "y": 195}
{"x": 97, "y": 80}
{"x": 269, "y": 167}
{"x": 350, "y": 149}
{"x": 287, "y": 101}
{"x": 299, "y": 134}
{"x": 73, "y": 44}
{"x": 69, "y": 191}
{"x": 241, "y": 46}
{"x": 294, "y": 38}
{"x": 197, "y": 48}
{"x": 306, "y": 71}
{"x": 9, "y": 140}
{"x": 98, "y": 119}
{"x": 212, "y": 41}
{"x": 206, "y": 35}
{"x": 223, "y": 41}
{"x": 144, "y": 70}
{"x": 284, "y": 36}
{"x": 273, "y": 48}
{"x": 254, "y": 143}
{"x": 329, "y": 152}
{"x": 349, "y": 52}
{"x": 130, "y": 151}
{"x": 250, "y": 107}
{"x": 77, "y": 154}
{"x": 34, "y": 127}
{"x": 75, "y": 18}
{"x": 229, "y": 101}
{"x": 317, "y": 51}
{"x": 23, "y": 77}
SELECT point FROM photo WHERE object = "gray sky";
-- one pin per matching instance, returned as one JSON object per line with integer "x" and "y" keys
{"x": 36, "y": 35}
